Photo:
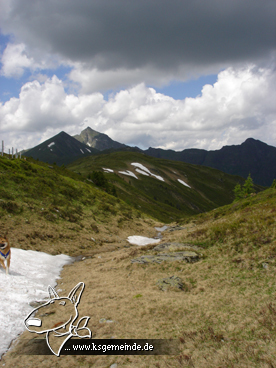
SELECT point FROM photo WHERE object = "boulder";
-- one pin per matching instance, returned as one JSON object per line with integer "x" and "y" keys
{"x": 173, "y": 247}
{"x": 187, "y": 256}
{"x": 173, "y": 282}
{"x": 175, "y": 228}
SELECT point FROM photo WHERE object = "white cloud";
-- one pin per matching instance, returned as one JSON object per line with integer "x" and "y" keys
{"x": 43, "y": 110}
{"x": 91, "y": 79}
{"x": 14, "y": 60}
{"x": 239, "y": 105}
{"x": 230, "y": 111}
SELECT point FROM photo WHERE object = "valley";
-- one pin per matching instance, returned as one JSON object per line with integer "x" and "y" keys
{"x": 221, "y": 305}
{"x": 166, "y": 190}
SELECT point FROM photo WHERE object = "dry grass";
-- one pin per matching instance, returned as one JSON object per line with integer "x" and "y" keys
{"x": 85, "y": 236}
{"x": 225, "y": 318}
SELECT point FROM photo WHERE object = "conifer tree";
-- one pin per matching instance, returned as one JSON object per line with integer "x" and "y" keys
{"x": 238, "y": 192}
{"x": 245, "y": 190}
{"x": 248, "y": 186}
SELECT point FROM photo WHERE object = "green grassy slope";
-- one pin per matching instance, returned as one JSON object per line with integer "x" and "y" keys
{"x": 39, "y": 202}
{"x": 243, "y": 227}
{"x": 166, "y": 200}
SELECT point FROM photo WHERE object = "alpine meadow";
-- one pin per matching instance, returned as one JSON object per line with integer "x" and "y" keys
{"x": 205, "y": 280}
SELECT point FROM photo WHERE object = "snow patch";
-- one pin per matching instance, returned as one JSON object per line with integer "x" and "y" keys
{"x": 142, "y": 172}
{"x": 141, "y": 240}
{"x": 51, "y": 144}
{"x": 157, "y": 177}
{"x": 30, "y": 274}
{"x": 81, "y": 151}
{"x": 108, "y": 170}
{"x": 142, "y": 167}
{"x": 129, "y": 173}
{"x": 163, "y": 228}
{"x": 183, "y": 182}
{"x": 88, "y": 150}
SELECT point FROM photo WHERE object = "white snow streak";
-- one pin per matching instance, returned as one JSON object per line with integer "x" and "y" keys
{"x": 142, "y": 172}
{"x": 129, "y": 173}
{"x": 142, "y": 167}
{"x": 183, "y": 182}
{"x": 157, "y": 177}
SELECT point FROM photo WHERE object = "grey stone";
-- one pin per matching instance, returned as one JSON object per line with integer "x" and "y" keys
{"x": 172, "y": 247}
{"x": 187, "y": 256}
{"x": 175, "y": 228}
{"x": 172, "y": 282}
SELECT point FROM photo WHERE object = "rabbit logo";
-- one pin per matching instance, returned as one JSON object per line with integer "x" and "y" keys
{"x": 65, "y": 325}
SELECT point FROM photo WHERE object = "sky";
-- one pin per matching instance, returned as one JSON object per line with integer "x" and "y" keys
{"x": 30, "y": 274}
{"x": 171, "y": 74}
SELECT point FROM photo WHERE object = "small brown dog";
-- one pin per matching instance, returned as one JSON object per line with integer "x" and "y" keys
{"x": 5, "y": 253}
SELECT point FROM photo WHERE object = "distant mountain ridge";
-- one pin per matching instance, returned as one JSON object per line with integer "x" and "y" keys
{"x": 97, "y": 140}
{"x": 252, "y": 156}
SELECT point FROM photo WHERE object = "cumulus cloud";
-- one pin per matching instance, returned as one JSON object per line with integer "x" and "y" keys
{"x": 239, "y": 105}
{"x": 44, "y": 109}
{"x": 128, "y": 38}
{"x": 92, "y": 79}
{"x": 230, "y": 111}
{"x": 16, "y": 59}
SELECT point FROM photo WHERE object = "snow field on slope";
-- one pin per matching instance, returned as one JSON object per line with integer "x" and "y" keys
{"x": 30, "y": 274}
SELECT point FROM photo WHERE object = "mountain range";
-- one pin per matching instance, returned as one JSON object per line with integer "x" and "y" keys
{"x": 61, "y": 149}
{"x": 251, "y": 157}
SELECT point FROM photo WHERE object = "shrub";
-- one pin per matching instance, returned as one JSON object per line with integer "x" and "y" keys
{"x": 99, "y": 180}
